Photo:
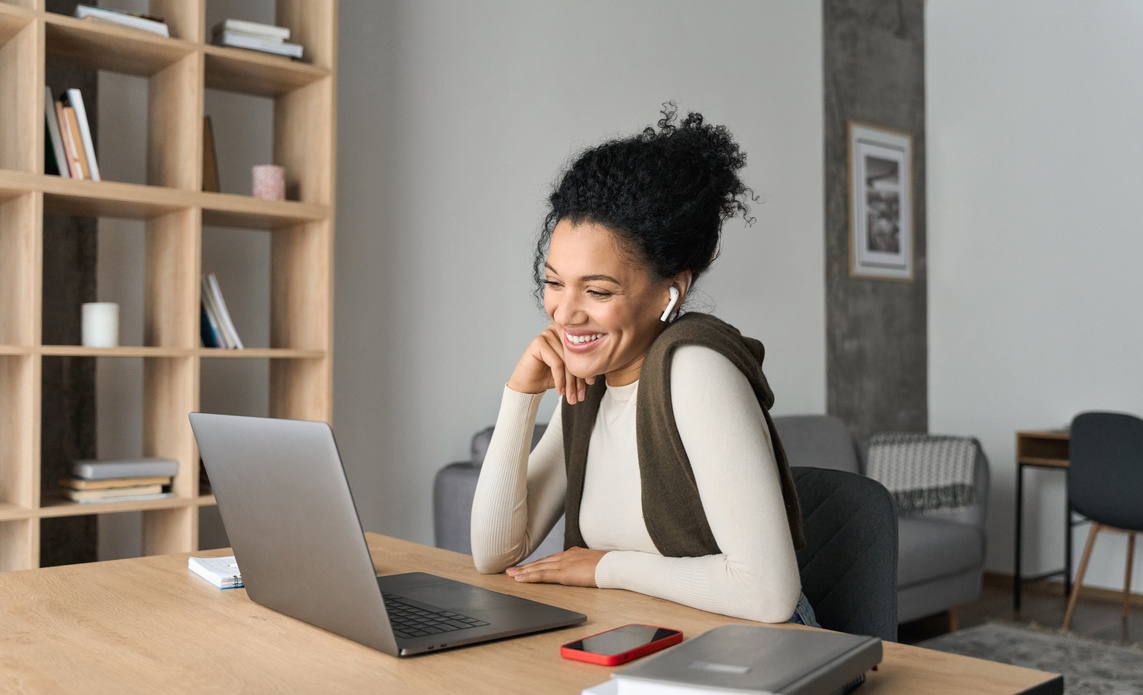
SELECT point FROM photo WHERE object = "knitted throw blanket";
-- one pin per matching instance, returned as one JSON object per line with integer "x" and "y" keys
{"x": 924, "y": 471}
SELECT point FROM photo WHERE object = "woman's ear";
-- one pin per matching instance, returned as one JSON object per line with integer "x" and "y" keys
{"x": 682, "y": 281}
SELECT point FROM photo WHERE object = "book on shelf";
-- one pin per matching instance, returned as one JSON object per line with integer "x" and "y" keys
{"x": 75, "y": 101}
{"x": 223, "y": 572}
{"x": 103, "y": 15}
{"x": 52, "y": 126}
{"x": 82, "y": 484}
{"x": 217, "y": 313}
{"x": 752, "y": 659}
{"x": 76, "y": 142}
{"x": 208, "y": 329}
{"x": 209, "y": 158}
{"x": 235, "y": 39}
{"x": 115, "y": 493}
{"x": 92, "y": 469}
{"x": 241, "y": 26}
{"x": 71, "y": 153}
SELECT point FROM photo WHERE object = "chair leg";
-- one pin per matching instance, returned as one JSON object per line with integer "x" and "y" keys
{"x": 1130, "y": 562}
{"x": 1079, "y": 575}
{"x": 954, "y": 622}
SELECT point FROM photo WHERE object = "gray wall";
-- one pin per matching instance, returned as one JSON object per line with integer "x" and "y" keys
{"x": 877, "y": 333}
{"x": 454, "y": 118}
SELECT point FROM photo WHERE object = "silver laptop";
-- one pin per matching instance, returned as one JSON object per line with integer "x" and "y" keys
{"x": 291, "y": 520}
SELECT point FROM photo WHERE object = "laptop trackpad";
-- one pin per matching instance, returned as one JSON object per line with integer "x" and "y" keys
{"x": 446, "y": 593}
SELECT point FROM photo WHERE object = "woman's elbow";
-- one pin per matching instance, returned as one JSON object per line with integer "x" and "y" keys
{"x": 489, "y": 563}
{"x": 776, "y": 607}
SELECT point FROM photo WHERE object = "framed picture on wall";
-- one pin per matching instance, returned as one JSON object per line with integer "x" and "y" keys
{"x": 880, "y": 202}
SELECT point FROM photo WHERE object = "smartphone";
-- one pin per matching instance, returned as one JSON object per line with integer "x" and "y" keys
{"x": 621, "y": 644}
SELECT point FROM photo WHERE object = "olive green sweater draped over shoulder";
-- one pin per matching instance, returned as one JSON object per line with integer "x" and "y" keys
{"x": 672, "y": 508}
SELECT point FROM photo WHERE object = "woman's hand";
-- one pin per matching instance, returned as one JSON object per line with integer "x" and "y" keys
{"x": 542, "y": 367}
{"x": 572, "y": 567}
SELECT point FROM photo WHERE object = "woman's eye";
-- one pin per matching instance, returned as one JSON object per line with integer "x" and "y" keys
{"x": 551, "y": 283}
{"x": 599, "y": 295}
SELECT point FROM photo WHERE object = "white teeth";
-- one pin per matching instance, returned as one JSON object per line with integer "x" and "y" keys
{"x": 581, "y": 339}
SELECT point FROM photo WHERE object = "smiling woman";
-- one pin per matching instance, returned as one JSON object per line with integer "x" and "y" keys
{"x": 662, "y": 453}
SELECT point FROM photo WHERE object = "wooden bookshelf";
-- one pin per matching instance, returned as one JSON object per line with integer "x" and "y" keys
{"x": 174, "y": 209}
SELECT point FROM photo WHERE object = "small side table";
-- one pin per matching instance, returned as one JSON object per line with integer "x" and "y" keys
{"x": 1042, "y": 449}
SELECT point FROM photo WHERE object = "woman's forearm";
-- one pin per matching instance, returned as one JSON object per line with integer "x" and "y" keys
{"x": 518, "y": 496}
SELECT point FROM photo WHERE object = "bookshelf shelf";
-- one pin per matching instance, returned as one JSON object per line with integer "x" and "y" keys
{"x": 57, "y": 507}
{"x": 249, "y": 72}
{"x": 12, "y": 512}
{"x": 171, "y": 203}
{"x": 111, "y": 48}
{"x": 140, "y": 202}
{"x": 226, "y": 210}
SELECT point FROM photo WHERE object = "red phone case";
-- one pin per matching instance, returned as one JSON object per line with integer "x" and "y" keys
{"x": 622, "y": 657}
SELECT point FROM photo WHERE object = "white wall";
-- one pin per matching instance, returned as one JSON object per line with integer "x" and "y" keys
{"x": 454, "y": 119}
{"x": 1035, "y": 165}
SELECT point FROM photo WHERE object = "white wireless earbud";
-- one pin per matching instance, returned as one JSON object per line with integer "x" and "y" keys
{"x": 670, "y": 307}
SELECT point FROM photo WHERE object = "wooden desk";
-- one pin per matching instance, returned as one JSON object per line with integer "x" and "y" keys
{"x": 148, "y": 625}
{"x": 1040, "y": 449}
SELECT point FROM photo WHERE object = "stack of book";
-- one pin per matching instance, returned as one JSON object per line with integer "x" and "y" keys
{"x": 266, "y": 38}
{"x": 119, "y": 481}
{"x": 134, "y": 20}
{"x": 215, "y": 326}
{"x": 72, "y": 153}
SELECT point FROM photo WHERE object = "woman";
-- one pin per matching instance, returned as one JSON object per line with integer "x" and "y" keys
{"x": 662, "y": 453}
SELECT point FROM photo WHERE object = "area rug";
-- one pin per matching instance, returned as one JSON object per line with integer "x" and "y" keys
{"x": 1089, "y": 667}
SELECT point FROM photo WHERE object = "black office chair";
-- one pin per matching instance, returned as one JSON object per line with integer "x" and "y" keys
{"x": 849, "y": 564}
{"x": 1105, "y": 484}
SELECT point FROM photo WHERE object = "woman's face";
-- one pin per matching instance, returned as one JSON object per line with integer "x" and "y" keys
{"x": 605, "y": 306}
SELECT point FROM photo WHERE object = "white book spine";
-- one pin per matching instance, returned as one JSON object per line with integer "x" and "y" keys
{"x": 53, "y": 125}
{"x": 268, "y": 31}
{"x": 224, "y": 313}
{"x": 102, "y": 470}
{"x": 127, "y": 20}
{"x": 254, "y": 43}
{"x": 75, "y": 99}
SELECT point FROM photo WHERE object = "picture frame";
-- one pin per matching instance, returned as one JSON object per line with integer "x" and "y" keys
{"x": 880, "y": 202}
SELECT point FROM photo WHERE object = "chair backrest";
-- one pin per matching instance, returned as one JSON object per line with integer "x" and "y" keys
{"x": 1105, "y": 473}
{"x": 817, "y": 441}
{"x": 849, "y": 565}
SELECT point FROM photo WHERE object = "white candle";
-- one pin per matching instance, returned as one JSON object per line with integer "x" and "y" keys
{"x": 100, "y": 324}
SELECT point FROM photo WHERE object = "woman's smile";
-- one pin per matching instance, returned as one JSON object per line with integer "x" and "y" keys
{"x": 582, "y": 341}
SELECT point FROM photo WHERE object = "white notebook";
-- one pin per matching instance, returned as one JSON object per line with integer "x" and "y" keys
{"x": 220, "y": 571}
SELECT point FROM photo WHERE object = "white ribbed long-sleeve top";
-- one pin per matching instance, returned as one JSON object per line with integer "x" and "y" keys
{"x": 519, "y": 497}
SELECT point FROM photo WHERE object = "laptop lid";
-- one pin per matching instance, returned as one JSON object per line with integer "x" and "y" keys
{"x": 292, "y": 522}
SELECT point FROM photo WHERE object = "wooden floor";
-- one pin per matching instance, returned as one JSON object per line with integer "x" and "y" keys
{"x": 1043, "y": 606}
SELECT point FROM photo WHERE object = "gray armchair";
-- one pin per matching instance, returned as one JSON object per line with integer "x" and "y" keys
{"x": 940, "y": 558}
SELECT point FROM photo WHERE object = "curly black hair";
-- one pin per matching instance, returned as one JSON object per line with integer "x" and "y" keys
{"x": 665, "y": 192}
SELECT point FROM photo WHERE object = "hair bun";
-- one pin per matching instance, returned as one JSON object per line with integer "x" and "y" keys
{"x": 665, "y": 191}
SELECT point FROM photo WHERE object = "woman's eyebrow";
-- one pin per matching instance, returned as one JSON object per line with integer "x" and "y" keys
{"x": 588, "y": 278}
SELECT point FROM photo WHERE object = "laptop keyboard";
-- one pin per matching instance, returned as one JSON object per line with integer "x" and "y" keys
{"x": 410, "y": 619}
